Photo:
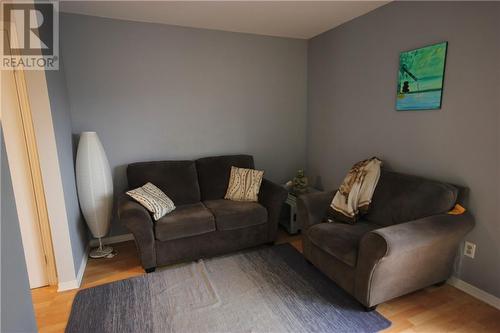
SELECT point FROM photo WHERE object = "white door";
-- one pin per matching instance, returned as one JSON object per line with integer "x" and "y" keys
{"x": 19, "y": 165}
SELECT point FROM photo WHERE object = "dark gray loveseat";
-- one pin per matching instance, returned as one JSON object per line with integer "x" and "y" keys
{"x": 203, "y": 224}
{"x": 406, "y": 242}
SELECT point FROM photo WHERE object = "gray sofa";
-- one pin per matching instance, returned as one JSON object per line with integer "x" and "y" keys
{"x": 203, "y": 224}
{"x": 406, "y": 242}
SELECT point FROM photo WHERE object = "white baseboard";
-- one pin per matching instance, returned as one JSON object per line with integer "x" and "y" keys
{"x": 67, "y": 285}
{"x": 75, "y": 284}
{"x": 112, "y": 240}
{"x": 83, "y": 265}
{"x": 475, "y": 292}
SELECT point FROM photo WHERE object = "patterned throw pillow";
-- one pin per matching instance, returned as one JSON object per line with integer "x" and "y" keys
{"x": 244, "y": 184}
{"x": 153, "y": 199}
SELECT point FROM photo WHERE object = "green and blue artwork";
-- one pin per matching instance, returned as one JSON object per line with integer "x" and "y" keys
{"x": 420, "y": 78}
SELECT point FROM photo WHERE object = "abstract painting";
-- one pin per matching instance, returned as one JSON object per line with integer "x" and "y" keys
{"x": 420, "y": 78}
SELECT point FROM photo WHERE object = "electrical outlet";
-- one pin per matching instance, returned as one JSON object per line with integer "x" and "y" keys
{"x": 469, "y": 249}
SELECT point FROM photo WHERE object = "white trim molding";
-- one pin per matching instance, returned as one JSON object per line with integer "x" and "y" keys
{"x": 68, "y": 285}
{"x": 83, "y": 265}
{"x": 75, "y": 284}
{"x": 112, "y": 240}
{"x": 475, "y": 292}
{"x": 51, "y": 174}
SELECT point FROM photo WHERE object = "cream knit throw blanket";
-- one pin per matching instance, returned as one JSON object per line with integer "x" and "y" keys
{"x": 355, "y": 194}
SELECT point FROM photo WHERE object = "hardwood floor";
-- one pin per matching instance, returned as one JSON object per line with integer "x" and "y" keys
{"x": 436, "y": 309}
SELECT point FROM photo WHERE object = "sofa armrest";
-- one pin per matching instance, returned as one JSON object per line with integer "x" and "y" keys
{"x": 312, "y": 208}
{"x": 138, "y": 220}
{"x": 272, "y": 196}
{"x": 405, "y": 257}
{"x": 423, "y": 232}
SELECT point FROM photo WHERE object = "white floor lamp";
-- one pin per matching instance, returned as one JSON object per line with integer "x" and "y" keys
{"x": 95, "y": 189}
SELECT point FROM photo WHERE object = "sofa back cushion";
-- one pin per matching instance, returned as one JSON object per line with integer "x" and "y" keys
{"x": 401, "y": 198}
{"x": 178, "y": 179}
{"x": 213, "y": 173}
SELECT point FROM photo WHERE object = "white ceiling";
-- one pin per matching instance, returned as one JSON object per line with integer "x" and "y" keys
{"x": 296, "y": 19}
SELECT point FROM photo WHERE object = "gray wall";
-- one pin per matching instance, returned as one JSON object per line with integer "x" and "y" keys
{"x": 155, "y": 92}
{"x": 351, "y": 104}
{"x": 61, "y": 119}
{"x": 16, "y": 306}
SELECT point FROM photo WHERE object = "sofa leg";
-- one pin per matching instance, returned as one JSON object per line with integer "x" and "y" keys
{"x": 150, "y": 270}
{"x": 370, "y": 308}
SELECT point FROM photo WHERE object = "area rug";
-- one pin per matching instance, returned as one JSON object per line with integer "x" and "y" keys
{"x": 270, "y": 289}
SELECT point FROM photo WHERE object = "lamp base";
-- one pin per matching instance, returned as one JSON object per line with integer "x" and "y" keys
{"x": 101, "y": 252}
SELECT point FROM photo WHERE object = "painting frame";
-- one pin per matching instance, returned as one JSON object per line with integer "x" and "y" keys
{"x": 424, "y": 66}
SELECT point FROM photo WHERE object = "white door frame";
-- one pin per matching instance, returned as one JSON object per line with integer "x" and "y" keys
{"x": 16, "y": 149}
{"x": 27, "y": 179}
{"x": 68, "y": 276}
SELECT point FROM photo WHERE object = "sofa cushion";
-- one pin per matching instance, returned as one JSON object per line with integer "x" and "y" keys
{"x": 230, "y": 215}
{"x": 340, "y": 240}
{"x": 401, "y": 198}
{"x": 178, "y": 179}
{"x": 213, "y": 173}
{"x": 185, "y": 221}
